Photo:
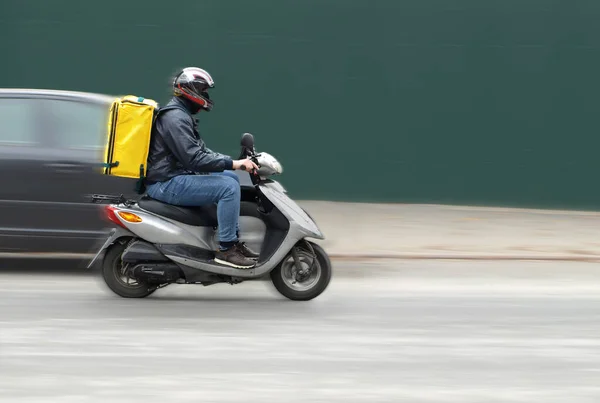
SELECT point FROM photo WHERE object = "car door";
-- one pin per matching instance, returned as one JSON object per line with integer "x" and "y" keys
{"x": 77, "y": 134}
{"x": 26, "y": 196}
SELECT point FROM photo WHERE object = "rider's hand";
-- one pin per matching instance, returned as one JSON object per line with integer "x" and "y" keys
{"x": 250, "y": 166}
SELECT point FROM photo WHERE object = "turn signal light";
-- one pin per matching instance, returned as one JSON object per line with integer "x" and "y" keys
{"x": 129, "y": 217}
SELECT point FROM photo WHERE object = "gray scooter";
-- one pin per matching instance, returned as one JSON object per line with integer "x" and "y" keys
{"x": 155, "y": 244}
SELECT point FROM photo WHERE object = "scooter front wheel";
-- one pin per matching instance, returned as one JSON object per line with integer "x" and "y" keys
{"x": 117, "y": 277}
{"x": 304, "y": 276}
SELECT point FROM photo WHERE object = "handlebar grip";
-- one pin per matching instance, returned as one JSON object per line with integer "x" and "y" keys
{"x": 243, "y": 167}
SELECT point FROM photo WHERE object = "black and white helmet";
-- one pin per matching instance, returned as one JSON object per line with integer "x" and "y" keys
{"x": 193, "y": 83}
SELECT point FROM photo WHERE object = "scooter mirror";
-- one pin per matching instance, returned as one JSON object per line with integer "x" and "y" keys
{"x": 247, "y": 141}
{"x": 247, "y": 144}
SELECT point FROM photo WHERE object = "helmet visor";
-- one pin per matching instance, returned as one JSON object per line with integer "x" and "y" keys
{"x": 198, "y": 87}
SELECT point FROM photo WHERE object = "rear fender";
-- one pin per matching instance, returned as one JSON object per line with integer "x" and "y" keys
{"x": 114, "y": 235}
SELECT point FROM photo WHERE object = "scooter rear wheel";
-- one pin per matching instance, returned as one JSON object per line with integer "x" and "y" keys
{"x": 116, "y": 277}
{"x": 307, "y": 281}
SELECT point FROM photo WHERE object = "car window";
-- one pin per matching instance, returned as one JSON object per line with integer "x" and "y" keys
{"x": 77, "y": 124}
{"x": 17, "y": 121}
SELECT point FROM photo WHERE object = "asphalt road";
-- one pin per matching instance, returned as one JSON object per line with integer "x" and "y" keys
{"x": 408, "y": 331}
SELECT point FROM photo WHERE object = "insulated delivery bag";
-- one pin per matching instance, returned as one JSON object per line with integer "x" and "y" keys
{"x": 130, "y": 125}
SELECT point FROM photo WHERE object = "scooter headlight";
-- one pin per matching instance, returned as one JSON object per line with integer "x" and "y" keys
{"x": 268, "y": 165}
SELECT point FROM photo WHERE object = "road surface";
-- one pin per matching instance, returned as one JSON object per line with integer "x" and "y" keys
{"x": 412, "y": 331}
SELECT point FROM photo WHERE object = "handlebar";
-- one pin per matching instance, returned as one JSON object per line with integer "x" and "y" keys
{"x": 254, "y": 177}
{"x": 250, "y": 154}
{"x": 243, "y": 167}
{"x": 251, "y": 158}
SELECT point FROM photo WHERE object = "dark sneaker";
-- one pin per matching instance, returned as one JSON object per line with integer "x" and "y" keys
{"x": 246, "y": 251}
{"x": 234, "y": 258}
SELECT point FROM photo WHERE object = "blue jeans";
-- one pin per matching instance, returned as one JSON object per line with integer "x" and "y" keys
{"x": 220, "y": 188}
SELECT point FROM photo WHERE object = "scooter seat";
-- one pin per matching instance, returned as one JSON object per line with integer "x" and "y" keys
{"x": 205, "y": 216}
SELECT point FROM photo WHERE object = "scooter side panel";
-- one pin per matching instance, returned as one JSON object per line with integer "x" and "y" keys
{"x": 252, "y": 231}
{"x": 160, "y": 230}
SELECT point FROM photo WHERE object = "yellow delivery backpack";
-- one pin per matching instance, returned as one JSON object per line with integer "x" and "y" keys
{"x": 128, "y": 141}
{"x": 130, "y": 124}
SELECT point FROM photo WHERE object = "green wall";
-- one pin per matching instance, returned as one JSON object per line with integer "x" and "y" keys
{"x": 463, "y": 102}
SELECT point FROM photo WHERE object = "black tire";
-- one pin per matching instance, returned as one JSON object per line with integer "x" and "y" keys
{"x": 320, "y": 284}
{"x": 111, "y": 266}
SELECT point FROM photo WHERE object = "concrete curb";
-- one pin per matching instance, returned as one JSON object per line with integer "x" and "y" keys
{"x": 465, "y": 256}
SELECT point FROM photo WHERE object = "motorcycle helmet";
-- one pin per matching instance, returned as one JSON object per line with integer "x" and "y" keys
{"x": 193, "y": 83}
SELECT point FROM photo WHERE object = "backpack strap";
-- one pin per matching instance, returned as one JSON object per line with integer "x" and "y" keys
{"x": 140, "y": 186}
{"x": 167, "y": 108}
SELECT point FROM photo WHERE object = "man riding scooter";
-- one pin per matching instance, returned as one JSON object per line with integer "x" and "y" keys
{"x": 183, "y": 171}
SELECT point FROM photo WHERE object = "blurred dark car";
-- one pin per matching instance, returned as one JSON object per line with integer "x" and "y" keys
{"x": 51, "y": 144}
